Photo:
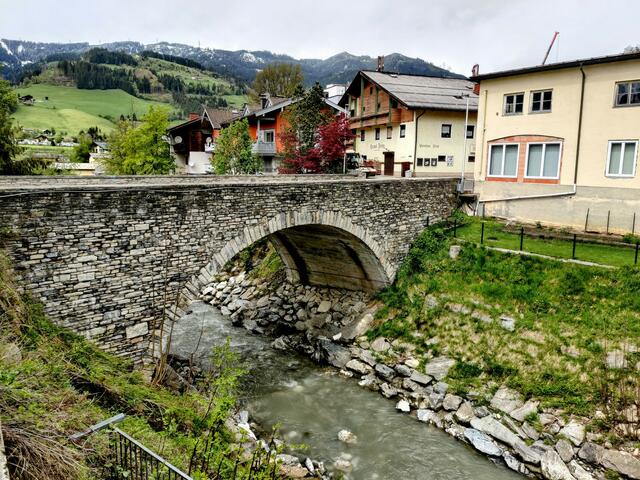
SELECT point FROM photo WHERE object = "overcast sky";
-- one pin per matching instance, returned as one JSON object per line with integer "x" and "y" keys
{"x": 497, "y": 34}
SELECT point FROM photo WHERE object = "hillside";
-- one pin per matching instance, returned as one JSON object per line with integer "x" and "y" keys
{"x": 241, "y": 64}
{"x": 99, "y": 87}
{"x": 70, "y": 110}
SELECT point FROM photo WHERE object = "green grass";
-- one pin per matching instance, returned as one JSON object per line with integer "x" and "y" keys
{"x": 495, "y": 235}
{"x": 71, "y": 110}
{"x": 567, "y": 318}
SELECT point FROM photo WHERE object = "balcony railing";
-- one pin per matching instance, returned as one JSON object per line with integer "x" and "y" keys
{"x": 264, "y": 148}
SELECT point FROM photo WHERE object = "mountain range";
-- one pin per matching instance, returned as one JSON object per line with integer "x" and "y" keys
{"x": 241, "y": 65}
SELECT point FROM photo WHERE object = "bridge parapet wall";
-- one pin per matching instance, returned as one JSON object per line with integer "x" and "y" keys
{"x": 106, "y": 259}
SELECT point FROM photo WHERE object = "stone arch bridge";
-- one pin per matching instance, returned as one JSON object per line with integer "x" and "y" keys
{"x": 108, "y": 255}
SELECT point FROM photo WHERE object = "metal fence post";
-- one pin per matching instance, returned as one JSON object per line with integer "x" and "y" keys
{"x": 608, "y": 219}
{"x": 521, "y": 237}
{"x": 482, "y": 234}
{"x": 428, "y": 218}
{"x": 637, "y": 247}
{"x": 633, "y": 225}
{"x": 586, "y": 221}
{"x": 573, "y": 252}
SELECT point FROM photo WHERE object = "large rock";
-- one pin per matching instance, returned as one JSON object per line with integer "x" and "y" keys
{"x": 346, "y": 436}
{"x": 565, "y": 450}
{"x": 358, "y": 366}
{"x": 429, "y": 416}
{"x": 574, "y": 432}
{"x": 403, "y": 406}
{"x": 522, "y": 412}
{"x": 357, "y": 328}
{"x": 385, "y": 371}
{"x": 324, "y": 306}
{"x": 506, "y": 400}
{"x": 591, "y": 453}
{"x": 451, "y": 402}
{"x": 334, "y": 354}
{"x": 380, "y": 344}
{"x": 493, "y": 427}
{"x": 482, "y": 442}
{"x": 578, "y": 472}
{"x": 553, "y": 468}
{"x": 621, "y": 462}
{"x": 421, "y": 378}
{"x": 465, "y": 413}
{"x": 439, "y": 367}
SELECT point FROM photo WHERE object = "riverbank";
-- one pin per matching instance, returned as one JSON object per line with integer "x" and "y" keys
{"x": 526, "y": 375}
{"x": 54, "y": 383}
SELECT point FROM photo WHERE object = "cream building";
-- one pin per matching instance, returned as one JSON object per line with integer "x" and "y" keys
{"x": 559, "y": 144}
{"x": 412, "y": 122}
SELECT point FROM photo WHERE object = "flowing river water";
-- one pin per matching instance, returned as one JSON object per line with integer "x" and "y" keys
{"x": 312, "y": 404}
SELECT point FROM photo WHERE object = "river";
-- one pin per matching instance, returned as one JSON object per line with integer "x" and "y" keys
{"x": 312, "y": 404}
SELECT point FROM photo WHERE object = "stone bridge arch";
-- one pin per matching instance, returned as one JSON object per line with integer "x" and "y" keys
{"x": 321, "y": 247}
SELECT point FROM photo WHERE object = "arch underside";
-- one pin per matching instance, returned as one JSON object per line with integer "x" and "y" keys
{"x": 327, "y": 256}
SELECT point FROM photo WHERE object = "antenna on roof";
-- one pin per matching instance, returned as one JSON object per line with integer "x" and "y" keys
{"x": 553, "y": 40}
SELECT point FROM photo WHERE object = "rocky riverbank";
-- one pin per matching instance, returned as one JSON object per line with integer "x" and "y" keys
{"x": 329, "y": 325}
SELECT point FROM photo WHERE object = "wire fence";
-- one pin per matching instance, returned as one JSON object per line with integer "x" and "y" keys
{"x": 565, "y": 245}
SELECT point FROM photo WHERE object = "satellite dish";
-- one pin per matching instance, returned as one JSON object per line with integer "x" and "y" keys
{"x": 209, "y": 141}
{"x": 177, "y": 140}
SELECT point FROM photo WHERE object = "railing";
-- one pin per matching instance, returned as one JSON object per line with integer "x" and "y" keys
{"x": 264, "y": 148}
{"x": 134, "y": 461}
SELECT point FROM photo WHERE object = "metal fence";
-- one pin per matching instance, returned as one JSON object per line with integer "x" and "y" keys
{"x": 134, "y": 461}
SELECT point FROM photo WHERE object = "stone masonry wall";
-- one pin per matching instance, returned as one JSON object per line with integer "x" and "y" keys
{"x": 106, "y": 259}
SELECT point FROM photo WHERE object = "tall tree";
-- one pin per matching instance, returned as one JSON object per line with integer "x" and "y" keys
{"x": 233, "y": 153}
{"x": 82, "y": 152}
{"x": 279, "y": 79}
{"x": 141, "y": 149}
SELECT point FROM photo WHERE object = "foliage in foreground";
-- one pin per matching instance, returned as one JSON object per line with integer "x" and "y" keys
{"x": 568, "y": 318}
{"x": 234, "y": 151}
{"x": 141, "y": 149}
{"x": 58, "y": 383}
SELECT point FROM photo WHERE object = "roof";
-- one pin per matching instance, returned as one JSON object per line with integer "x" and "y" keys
{"x": 185, "y": 124}
{"x": 560, "y": 65}
{"x": 217, "y": 116}
{"x": 419, "y": 91}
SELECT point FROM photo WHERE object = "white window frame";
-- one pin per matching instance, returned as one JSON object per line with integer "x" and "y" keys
{"x": 615, "y": 95}
{"x": 541, "y": 92}
{"x": 544, "y": 151}
{"x": 504, "y": 151}
{"x": 635, "y": 159}
{"x": 504, "y": 103}
{"x": 264, "y": 135}
{"x": 442, "y": 133}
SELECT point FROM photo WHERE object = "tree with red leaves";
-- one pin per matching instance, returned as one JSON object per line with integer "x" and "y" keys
{"x": 315, "y": 141}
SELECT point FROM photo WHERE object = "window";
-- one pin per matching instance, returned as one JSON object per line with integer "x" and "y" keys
{"x": 370, "y": 90}
{"x": 394, "y": 103}
{"x": 445, "y": 130}
{"x": 362, "y": 135}
{"x": 628, "y": 93}
{"x": 472, "y": 159}
{"x": 503, "y": 160}
{"x": 389, "y": 133}
{"x": 471, "y": 131}
{"x": 269, "y": 136}
{"x": 420, "y": 162}
{"x": 622, "y": 159}
{"x": 513, "y": 103}
{"x": 377, "y": 134}
{"x": 541, "y": 101}
{"x": 543, "y": 160}
{"x": 403, "y": 131}
{"x": 442, "y": 158}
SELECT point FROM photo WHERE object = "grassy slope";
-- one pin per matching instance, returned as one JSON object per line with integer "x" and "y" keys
{"x": 71, "y": 110}
{"x": 62, "y": 384}
{"x": 567, "y": 318}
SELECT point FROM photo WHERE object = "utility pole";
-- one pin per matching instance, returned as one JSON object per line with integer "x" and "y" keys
{"x": 464, "y": 156}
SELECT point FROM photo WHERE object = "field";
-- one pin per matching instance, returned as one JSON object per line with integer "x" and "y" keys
{"x": 71, "y": 110}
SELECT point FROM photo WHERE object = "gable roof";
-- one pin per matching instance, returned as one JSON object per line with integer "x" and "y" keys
{"x": 560, "y": 65}
{"x": 419, "y": 91}
{"x": 217, "y": 116}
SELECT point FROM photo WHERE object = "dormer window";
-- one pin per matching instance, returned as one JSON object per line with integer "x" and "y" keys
{"x": 628, "y": 93}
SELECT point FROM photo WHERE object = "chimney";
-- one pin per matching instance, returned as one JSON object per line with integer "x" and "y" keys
{"x": 265, "y": 100}
{"x": 475, "y": 71}
{"x": 380, "y": 63}
{"x": 194, "y": 116}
